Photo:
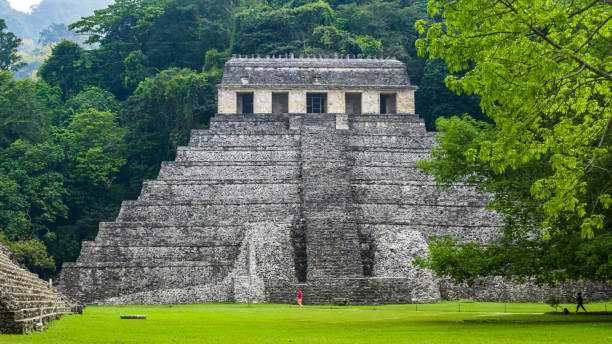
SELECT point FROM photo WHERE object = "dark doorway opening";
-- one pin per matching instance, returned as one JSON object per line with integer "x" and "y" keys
{"x": 244, "y": 102}
{"x": 353, "y": 103}
{"x": 388, "y": 104}
{"x": 316, "y": 102}
{"x": 280, "y": 102}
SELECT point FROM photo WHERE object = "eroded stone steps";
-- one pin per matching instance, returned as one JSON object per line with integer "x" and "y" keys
{"x": 41, "y": 303}
{"x": 202, "y": 214}
{"x": 332, "y": 240}
{"x": 225, "y": 171}
{"x": 481, "y": 234}
{"x": 129, "y": 252}
{"x": 220, "y": 193}
{"x": 425, "y": 214}
{"x": 9, "y": 286}
{"x": 388, "y": 173}
{"x": 249, "y": 124}
{"x": 152, "y": 232}
{"x": 26, "y": 299}
{"x": 8, "y": 273}
{"x": 428, "y": 193}
{"x": 245, "y": 155}
{"x": 34, "y": 296}
{"x": 210, "y": 140}
{"x": 45, "y": 318}
{"x": 425, "y": 141}
{"x": 384, "y": 157}
{"x": 29, "y": 313}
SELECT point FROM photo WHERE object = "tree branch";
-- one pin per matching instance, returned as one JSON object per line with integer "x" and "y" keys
{"x": 573, "y": 57}
{"x": 583, "y": 9}
{"x": 593, "y": 34}
{"x": 559, "y": 47}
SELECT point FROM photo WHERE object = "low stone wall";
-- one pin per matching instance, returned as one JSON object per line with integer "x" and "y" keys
{"x": 497, "y": 289}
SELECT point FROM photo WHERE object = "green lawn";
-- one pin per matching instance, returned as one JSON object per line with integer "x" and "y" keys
{"x": 236, "y": 323}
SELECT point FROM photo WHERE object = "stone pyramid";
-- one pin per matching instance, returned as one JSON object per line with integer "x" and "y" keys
{"x": 306, "y": 179}
{"x": 26, "y": 301}
{"x": 259, "y": 205}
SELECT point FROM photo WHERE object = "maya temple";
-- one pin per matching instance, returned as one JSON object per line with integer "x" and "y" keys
{"x": 305, "y": 179}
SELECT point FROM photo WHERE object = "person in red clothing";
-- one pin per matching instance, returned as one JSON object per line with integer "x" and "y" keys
{"x": 300, "y": 298}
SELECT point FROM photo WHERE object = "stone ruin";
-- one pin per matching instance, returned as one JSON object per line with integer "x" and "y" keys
{"x": 306, "y": 179}
{"x": 27, "y": 303}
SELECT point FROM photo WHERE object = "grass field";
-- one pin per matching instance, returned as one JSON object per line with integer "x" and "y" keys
{"x": 239, "y": 323}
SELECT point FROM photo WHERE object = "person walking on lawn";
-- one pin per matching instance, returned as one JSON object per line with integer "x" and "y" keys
{"x": 579, "y": 300}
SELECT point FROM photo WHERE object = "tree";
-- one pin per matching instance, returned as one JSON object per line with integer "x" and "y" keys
{"x": 24, "y": 113}
{"x": 542, "y": 71}
{"x": 94, "y": 142}
{"x": 159, "y": 117}
{"x": 93, "y": 98}
{"x": 436, "y": 100}
{"x": 66, "y": 68}
{"x": 9, "y": 59}
{"x": 55, "y": 33}
{"x": 32, "y": 255}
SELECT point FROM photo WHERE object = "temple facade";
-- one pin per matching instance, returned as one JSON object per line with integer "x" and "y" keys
{"x": 315, "y": 85}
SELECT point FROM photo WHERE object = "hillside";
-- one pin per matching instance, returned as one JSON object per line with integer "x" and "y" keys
{"x": 28, "y": 26}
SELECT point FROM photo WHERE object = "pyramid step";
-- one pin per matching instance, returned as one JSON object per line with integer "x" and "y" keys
{"x": 111, "y": 253}
{"x": 45, "y": 303}
{"x": 376, "y": 173}
{"x": 34, "y": 313}
{"x": 425, "y": 141}
{"x": 481, "y": 234}
{"x": 8, "y": 272}
{"x": 215, "y": 141}
{"x": 425, "y": 193}
{"x": 45, "y": 318}
{"x": 231, "y": 171}
{"x": 201, "y": 214}
{"x": 426, "y": 214}
{"x": 386, "y": 126}
{"x": 179, "y": 190}
{"x": 203, "y": 154}
{"x": 152, "y": 233}
{"x": 10, "y": 287}
{"x": 392, "y": 158}
{"x": 159, "y": 234}
{"x": 237, "y": 123}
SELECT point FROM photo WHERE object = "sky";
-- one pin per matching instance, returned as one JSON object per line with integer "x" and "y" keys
{"x": 23, "y": 5}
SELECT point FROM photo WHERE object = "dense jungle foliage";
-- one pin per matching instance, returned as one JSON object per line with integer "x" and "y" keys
{"x": 543, "y": 71}
{"x": 82, "y": 138}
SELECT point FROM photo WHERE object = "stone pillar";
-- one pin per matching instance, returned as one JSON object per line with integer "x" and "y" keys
{"x": 335, "y": 102}
{"x": 370, "y": 102}
{"x": 342, "y": 122}
{"x": 262, "y": 101}
{"x": 297, "y": 101}
{"x": 227, "y": 101}
{"x": 405, "y": 102}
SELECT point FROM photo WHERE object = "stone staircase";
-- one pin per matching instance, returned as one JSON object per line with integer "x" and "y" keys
{"x": 332, "y": 237}
{"x": 27, "y": 303}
